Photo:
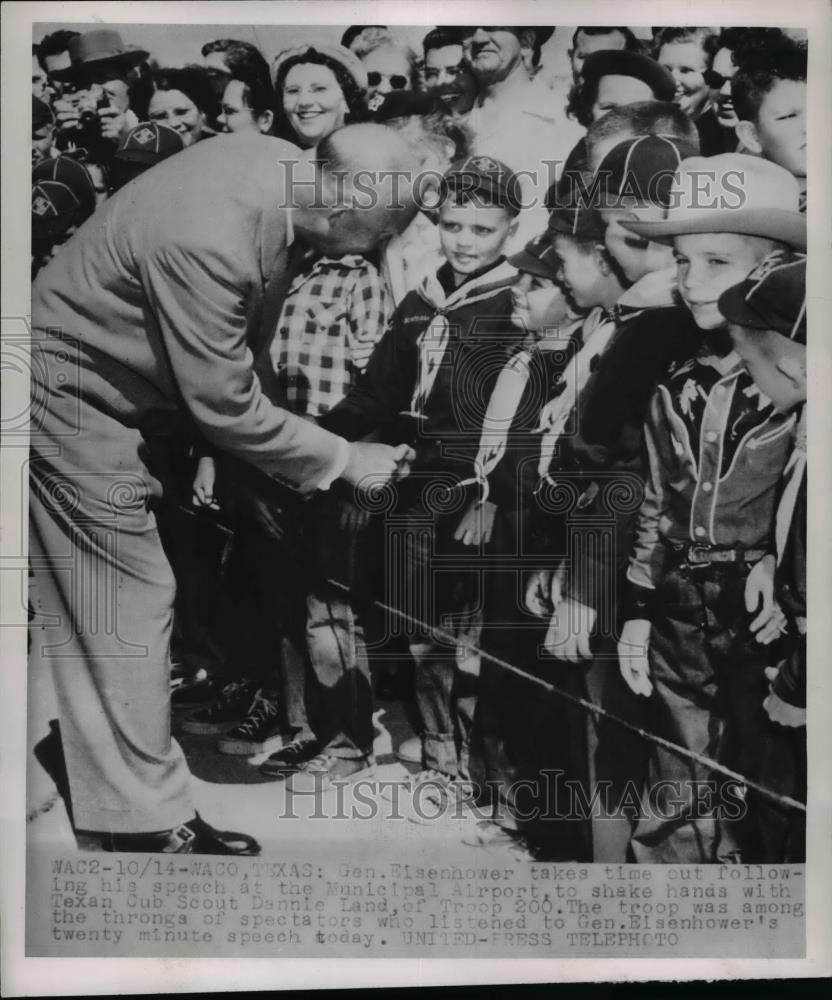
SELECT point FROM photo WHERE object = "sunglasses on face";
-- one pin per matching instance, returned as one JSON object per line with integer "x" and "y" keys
{"x": 716, "y": 81}
{"x": 397, "y": 81}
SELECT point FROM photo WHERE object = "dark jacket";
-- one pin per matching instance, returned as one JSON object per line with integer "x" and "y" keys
{"x": 481, "y": 339}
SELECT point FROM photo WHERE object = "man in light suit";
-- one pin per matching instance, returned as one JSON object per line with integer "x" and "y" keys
{"x": 147, "y": 319}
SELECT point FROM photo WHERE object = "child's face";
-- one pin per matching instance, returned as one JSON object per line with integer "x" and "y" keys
{"x": 781, "y": 126}
{"x": 545, "y": 305}
{"x": 579, "y": 272}
{"x": 780, "y": 375}
{"x": 709, "y": 263}
{"x": 635, "y": 255}
{"x": 473, "y": 236}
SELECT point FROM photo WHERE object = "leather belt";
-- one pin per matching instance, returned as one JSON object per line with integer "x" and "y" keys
{"x": 694, "y": 555}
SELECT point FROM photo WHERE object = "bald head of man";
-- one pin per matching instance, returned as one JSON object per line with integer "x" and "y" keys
{"x": 365, "y": 178}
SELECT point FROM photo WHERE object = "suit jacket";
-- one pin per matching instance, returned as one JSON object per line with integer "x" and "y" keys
{"x": 163, "y": 290}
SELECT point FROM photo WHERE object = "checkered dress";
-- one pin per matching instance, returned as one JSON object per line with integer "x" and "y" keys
{"x": 332, "y": 318}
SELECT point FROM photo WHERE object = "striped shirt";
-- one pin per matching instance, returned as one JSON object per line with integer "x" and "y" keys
{"x": 333, "y": 315}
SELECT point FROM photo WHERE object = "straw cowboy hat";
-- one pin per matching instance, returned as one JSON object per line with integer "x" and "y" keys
{"x": 103, "y": 45}
{"x": 731, "y": 193}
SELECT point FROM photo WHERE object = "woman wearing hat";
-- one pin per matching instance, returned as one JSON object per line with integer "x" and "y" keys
{"x": 319, "y": 89}
{"x": 612, "y": 78}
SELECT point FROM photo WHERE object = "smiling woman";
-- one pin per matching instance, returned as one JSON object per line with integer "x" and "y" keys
{"x": 318, "y": 90}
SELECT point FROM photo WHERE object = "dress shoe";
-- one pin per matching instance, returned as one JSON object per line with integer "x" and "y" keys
{"x": 193, "y": 837}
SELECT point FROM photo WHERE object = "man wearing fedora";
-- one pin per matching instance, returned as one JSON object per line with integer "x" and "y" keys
{"x": 96, "y": 82}
{"x": 698, "y": 594}
{"x": 148, "y": 321}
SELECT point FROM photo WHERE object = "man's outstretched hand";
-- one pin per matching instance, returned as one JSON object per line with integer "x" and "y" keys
{"x": 372, "y": 465}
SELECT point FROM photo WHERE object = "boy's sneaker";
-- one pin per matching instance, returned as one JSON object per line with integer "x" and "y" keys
{"x": 259, "y": 732}
{"x": 436, "y": 796}
{"x": 231, "y": 706}
{"x": 323, "y": 771}
{"x": 290, "y": 759}
{"x": 487, "y": 834}
{"x": 411, "y": 750}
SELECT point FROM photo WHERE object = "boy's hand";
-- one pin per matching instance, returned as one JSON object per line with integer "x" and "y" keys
{"x": 780, "y": 711}
{"x": 770, "y": 621}
{"x": 632, "y": 656}
{"x": 569, "y": 631}
{"x": 477, "y": 524}
{"x": 539, "y": 592}
{"x": 204, "y": 482}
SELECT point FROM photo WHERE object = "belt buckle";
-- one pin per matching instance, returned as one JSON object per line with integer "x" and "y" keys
{"x": 698, "y": 555}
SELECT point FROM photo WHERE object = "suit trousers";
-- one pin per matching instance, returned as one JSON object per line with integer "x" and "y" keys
{"x": 104, "y": 602}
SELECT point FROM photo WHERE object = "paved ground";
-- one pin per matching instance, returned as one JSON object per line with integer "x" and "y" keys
{"x": 232, "y": 794}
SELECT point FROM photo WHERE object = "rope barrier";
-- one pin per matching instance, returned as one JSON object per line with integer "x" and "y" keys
{"x": 785, "y": 801}
{"x": 781, "y": 800}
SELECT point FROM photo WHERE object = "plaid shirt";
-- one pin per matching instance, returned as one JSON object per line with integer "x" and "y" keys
{"x": 332, "y": 318}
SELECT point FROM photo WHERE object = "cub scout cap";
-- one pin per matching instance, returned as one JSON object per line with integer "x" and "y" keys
{"x": 72, "y": 175}
{"x": 537, "y": 257}
{"x": 55, "y": 208}
{"x": 641, "y": 169}
{"x": 484, "y": 176}
{"x": 579, "y": 221}
{"x": 149, "y": 142}
{"x": 772, "y": 297}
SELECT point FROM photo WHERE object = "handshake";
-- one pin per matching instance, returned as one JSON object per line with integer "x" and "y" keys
{"x": 371, "y": 465}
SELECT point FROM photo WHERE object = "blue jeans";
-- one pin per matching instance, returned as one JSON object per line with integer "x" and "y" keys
{"x": 709, "y": 686}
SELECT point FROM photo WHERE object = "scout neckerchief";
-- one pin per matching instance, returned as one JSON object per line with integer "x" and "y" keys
{"x": 597, "y": 330}
{"x": 433, "y": 341}
{"x": 502, "y": 409}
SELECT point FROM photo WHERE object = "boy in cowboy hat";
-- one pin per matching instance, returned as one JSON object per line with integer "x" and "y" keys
{"x": 766, "y": 317}
{"x": 434, "y": 369}
{"x": 717, "y": 449}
